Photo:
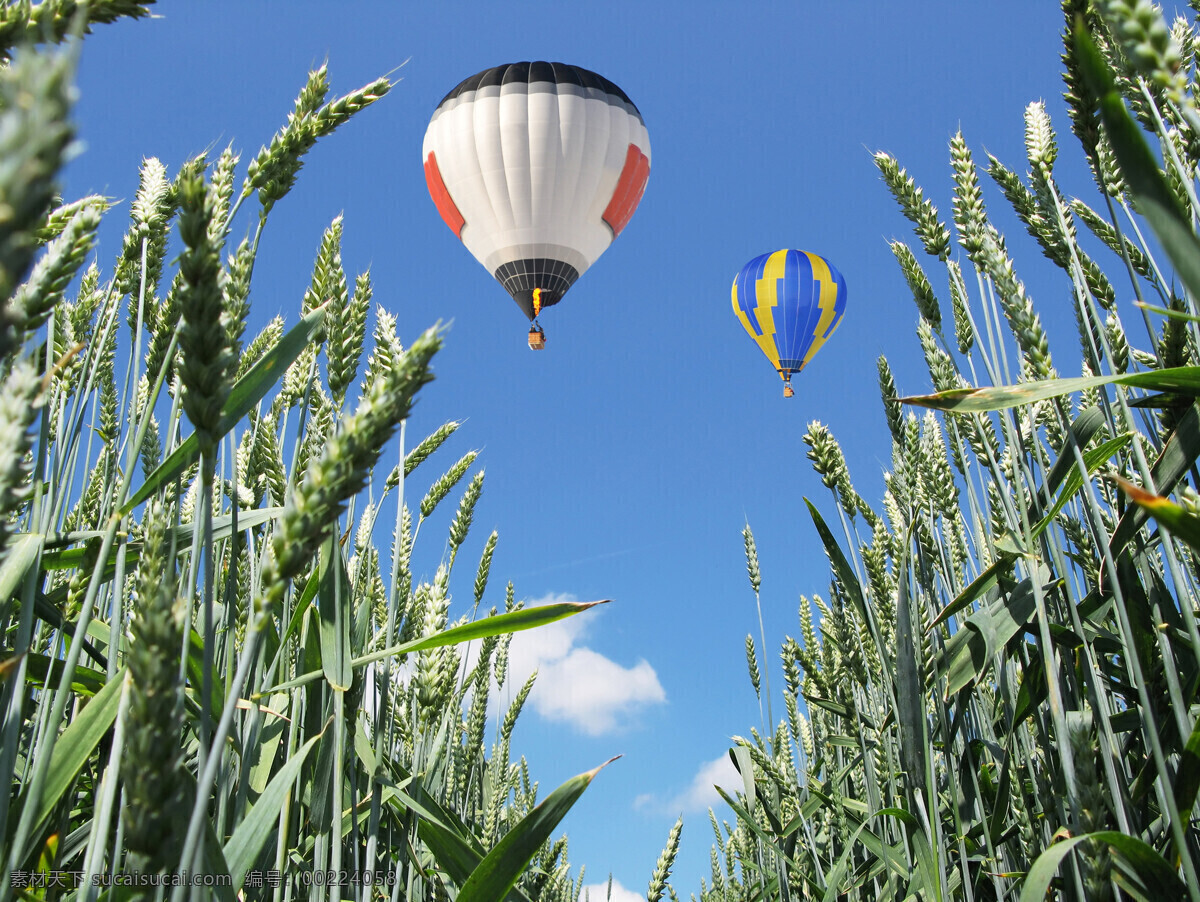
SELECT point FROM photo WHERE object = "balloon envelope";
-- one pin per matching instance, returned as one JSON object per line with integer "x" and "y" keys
{"x": 536, "y": 167}
{"x": 789, "y": 302}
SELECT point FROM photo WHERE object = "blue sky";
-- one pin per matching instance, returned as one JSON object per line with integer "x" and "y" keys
{"x": 622, "y": 461}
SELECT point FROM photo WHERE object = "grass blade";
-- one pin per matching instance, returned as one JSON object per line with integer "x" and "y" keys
{"x": 846, "y": 574}
{"x": 1169, "y": 313}
{"x": 910, "y": 685}
{"x": 969, "y": 651}
{"x": 43, "y": 670}
{"x": 76, "y": 744}
{"x": 1182, "y": 524}
{"x": 1177, "y": 457}
{"x": 21, "y": 556}
{"x": 500, "y": 868}
{"x": 244, "y": 846}
{"x": 1187, "y": 780}
{"x": 988, "y": 580}
{"x": 1155, "y": 878}
{"x": 1180, "y": 380}
{"x": 333, "y": 604}
{"x": 1074, "y": 482}
{"x": 513, "y": 622}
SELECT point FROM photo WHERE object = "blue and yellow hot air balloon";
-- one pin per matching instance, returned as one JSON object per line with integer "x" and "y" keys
{"x": 790, "y": 302}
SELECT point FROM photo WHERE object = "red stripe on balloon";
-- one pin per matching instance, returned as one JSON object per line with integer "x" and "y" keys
{"x": 629, "y": 190}
{"x": 441, "y": 197}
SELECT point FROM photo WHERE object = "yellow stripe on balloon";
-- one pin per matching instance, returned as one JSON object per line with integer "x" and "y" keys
{"x": 766, "y": 298}
{"x": 740, "y": 314}
{"x": 827, "y": 301}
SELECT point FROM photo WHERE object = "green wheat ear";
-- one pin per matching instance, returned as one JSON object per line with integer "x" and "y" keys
{"x": 417, "y": 455}
{"x": 934, "y": 235}
{"x": 61, "y": 260}
{"x": 465, "y": 513}
{"x": 207, "y": 360}
{"x": 666, "y": 861}
{"x": 969, "y": 214}
{"x": 1148, "y": 43}
{"x": 34, "y": 135}
{"x": 964, "y": 329}
{"x": 751, "y": 558}
{"x": 150, "y": 215}
{"x": 155, "y": 782}
{"x": 345, "y": 350}
{"x": 20, "y": 395}
{"x": 272, "y": 173}
{"x": 447, "y": 481}
{"x": 1026, "y": 325}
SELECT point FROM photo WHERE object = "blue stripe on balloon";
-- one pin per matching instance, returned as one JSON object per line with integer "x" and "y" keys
{"x": 746, "y": 294}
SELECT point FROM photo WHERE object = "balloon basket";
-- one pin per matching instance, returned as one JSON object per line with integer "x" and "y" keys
{"x": 537, "y": 339}
{"x": 788, "y": 391}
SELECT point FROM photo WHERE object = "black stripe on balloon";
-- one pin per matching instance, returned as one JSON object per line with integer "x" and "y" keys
{"x": 521, "y": 277}
{"x": 528, "y": 73}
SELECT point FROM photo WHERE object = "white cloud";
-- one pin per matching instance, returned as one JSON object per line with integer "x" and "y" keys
{"x": 575, "y": 683}
{"x": 700, "y": 795}
{"x": 598, "y": 892}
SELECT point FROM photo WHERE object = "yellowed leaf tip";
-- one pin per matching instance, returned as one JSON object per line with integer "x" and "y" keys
{"x": 1138, "y": 494}
{"x": 9, "y": 665}
{"x": 595, "y": 770}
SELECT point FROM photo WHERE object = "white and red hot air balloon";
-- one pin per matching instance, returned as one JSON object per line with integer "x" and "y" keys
{"x": 536, "y": 167}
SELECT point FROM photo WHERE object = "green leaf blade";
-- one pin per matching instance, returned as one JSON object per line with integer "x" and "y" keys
{"x": 498, "y": 871}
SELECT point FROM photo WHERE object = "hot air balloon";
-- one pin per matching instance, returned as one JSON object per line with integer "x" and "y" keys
{"x": 790, "y": 302}
{"x": 536, "y": 167}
